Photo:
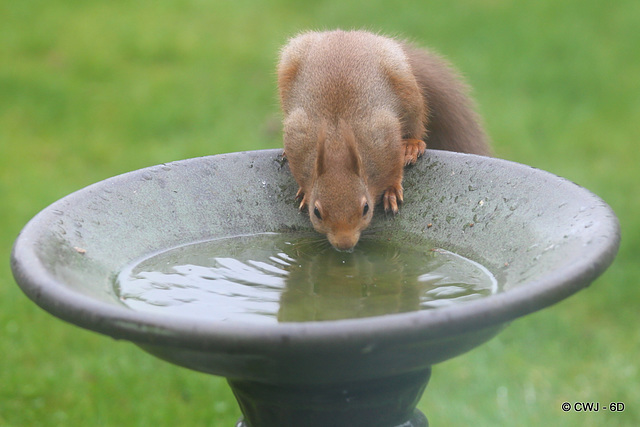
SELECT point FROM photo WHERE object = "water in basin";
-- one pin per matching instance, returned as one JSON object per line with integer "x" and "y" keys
{"x": 294, "y": 277}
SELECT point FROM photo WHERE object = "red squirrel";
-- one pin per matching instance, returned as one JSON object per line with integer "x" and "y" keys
{"x": 357, "y": 107}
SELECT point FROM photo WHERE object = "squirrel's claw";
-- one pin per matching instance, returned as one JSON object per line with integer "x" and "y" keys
{"x": 391, "y": 197}
{"x": 300, "y": 195}
{"x": 413, "y": 148}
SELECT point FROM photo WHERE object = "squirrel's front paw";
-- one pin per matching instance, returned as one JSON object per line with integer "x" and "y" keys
{"x": 391, "y": 197}
{"x": 413, "y": 148}
{"x": 300, "y": 195}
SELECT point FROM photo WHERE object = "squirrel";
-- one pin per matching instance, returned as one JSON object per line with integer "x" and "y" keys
{"x": 357, "y": 108}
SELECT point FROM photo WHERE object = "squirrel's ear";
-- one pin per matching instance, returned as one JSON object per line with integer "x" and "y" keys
{"x": 354, "y": 161}
{"x": 320, "y": 155}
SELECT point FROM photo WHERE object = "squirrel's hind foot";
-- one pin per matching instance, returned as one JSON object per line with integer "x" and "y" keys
{"x": 413, "y": 148}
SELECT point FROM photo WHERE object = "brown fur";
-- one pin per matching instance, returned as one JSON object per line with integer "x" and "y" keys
{"x": 357, "y": 107}
{"x": 453, "y": 124}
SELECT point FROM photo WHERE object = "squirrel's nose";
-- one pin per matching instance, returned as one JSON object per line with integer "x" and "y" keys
{"x": 344, "y": 241}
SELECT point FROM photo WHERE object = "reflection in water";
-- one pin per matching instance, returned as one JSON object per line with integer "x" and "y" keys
{"x": 296, "y": 278}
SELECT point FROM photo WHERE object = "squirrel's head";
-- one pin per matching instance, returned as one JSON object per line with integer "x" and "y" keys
{"x": 340, "y": 204}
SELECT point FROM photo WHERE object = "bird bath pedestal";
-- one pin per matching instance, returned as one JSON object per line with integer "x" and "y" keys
{"x": 544, "y": 238}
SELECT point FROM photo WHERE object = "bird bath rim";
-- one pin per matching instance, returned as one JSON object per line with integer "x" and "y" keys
{"x": 122, "y": 322}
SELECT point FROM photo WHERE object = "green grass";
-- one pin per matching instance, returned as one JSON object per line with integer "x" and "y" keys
{"x": 90, "y": 89}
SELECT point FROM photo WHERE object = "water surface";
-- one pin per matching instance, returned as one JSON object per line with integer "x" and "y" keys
{"x": 293, "y": 277}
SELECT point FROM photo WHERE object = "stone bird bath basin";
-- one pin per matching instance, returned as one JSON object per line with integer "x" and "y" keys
{"x": 542, "y": 237}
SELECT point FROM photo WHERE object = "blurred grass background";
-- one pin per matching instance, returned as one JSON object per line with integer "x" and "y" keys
{"x": 90, "y": 89}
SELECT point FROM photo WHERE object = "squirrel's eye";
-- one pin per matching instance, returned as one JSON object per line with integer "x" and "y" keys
{"x": 365, "y": 209}
{"x": 316, "y": 212}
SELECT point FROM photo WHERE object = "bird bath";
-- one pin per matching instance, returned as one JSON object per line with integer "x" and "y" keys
{"x": 539, "y": 237}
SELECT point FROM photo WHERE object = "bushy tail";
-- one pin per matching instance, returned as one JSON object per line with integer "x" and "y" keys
{"x": 453, "y": 124}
